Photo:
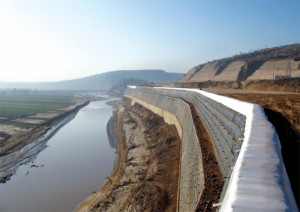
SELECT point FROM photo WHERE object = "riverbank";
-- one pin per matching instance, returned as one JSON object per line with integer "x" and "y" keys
{"x": 146, "y": 172}
{"x": 23, "y": 146}
{"x": 64, "y": 173}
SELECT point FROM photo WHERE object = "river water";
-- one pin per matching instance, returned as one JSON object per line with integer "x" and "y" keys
{"x": 75, "y": 163}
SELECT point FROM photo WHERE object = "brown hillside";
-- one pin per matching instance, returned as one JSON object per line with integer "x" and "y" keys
{"x": 260, "y": 64}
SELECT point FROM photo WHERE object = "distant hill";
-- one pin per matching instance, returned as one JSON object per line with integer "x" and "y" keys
{"x": 103, "y": 81}
{"x": 260, "y": 64}
{"x": 119, "y": 89}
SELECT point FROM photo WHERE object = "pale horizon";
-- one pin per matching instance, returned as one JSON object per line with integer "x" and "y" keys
{"x": 46, "y": 41}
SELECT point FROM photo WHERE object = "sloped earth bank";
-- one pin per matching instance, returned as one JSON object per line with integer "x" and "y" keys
{"x": 146, "y": 172}
{"x": 213, "y": 179}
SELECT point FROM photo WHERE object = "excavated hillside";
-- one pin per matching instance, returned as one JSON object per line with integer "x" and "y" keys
{"x": 261, "y": 64}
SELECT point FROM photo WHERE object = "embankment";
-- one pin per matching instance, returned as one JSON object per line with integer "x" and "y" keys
{"x": 146, "y": 172}
{"x": 177, "y": 112}
{"x": 245, "y": 144}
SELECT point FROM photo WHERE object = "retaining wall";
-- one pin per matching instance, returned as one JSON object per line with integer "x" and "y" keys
{"x": 191, "y": 173}
{"x": 246, "y": 146}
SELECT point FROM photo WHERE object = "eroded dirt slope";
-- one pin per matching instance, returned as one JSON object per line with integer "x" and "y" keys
{"x": 146, "y": 178}
{"x": 260, "y": 64}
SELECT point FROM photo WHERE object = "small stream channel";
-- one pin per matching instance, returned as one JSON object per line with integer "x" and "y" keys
{"x": 75, "y": 163}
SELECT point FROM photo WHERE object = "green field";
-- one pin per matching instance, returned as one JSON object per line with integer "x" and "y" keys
{"x": 14, "y": 104}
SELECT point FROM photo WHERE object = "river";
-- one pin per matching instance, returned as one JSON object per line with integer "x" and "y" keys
{"x": 75, "y": 163}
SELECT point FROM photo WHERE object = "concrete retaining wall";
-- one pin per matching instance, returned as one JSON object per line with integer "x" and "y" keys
{"x": 250, "y": 161}
{"x": 225, "y": 126}
{"x": 191, "y": 173}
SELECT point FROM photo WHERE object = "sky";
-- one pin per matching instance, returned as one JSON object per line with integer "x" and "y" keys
{"x": 53, "y": 40}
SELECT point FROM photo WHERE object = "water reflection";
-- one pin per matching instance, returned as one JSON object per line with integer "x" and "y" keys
{"x": 10, "y": 163}
{"x": 76, "y": 162}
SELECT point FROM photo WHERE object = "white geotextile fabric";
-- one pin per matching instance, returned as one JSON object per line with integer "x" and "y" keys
{"x": 259, "y": 181}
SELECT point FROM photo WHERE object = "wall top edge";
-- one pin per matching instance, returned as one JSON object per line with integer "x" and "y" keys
{"x": 260, "y": 141}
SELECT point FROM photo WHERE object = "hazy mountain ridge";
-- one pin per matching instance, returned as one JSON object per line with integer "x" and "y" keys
{"x": 103, "y": 81}
{"x": 119, "y": 89}
{"x": 260, "y": 64}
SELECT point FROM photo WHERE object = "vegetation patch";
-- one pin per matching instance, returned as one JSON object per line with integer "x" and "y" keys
{"x": 15, "y": 103}
{"x": 16, "y": 124}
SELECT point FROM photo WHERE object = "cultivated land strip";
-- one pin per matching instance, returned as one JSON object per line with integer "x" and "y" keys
{"x": 28, "y": 120}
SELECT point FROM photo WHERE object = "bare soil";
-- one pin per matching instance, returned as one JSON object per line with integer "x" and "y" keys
{"x": 213, "y": 179}
{"x": 147, "y": 170}
{"x": 148, "y": 157}
{"x": 259, "y": 64}
{"x": 280, "y": 85}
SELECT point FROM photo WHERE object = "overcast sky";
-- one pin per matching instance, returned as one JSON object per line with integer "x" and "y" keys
{"x": 50, "y": 40}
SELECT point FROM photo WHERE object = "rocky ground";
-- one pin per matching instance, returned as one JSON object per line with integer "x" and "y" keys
{"x": 147, "y": 169}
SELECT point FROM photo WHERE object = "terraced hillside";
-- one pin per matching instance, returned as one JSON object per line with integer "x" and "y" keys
{"x": 261, "y": 64}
